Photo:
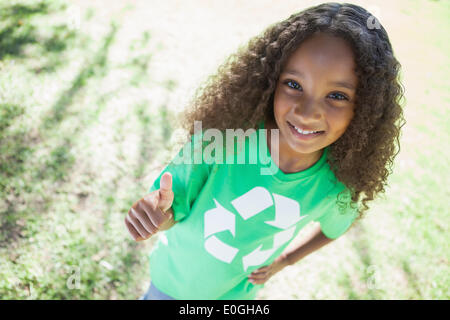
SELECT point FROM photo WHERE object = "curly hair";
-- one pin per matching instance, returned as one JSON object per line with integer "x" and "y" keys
{"x": 240, "y": 94}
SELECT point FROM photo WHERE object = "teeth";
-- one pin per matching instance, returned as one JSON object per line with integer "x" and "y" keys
{"x": 304, "y": 131}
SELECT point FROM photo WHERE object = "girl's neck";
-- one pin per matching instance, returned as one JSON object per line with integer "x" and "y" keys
{"x": 289, "y": 160}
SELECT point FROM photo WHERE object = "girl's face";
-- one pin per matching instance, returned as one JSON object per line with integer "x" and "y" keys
{"x": 316, "y": 92}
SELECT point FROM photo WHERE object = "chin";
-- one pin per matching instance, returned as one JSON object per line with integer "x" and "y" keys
{"x": 306, "y": 149}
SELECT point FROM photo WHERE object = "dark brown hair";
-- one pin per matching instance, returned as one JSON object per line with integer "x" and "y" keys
{"x": 240, "y": 94}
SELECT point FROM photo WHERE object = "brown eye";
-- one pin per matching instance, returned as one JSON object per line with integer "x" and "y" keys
{"x": 292, "y": 84}
{"x": 339, "y": 96}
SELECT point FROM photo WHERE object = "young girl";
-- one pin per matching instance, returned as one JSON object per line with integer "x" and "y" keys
{"x": 327, "y": 79}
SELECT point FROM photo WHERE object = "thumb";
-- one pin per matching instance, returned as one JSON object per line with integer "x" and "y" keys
{"x": 165, "y": 192}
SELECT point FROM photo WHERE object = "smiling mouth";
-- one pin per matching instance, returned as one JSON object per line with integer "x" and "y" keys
{"x": 304, "y": 133}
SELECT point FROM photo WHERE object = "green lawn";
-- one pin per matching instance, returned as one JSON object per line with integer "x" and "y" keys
{"x": 86, "y": 113}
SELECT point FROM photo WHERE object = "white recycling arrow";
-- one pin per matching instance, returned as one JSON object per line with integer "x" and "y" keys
{"x": 252, "y": 202}
{"x": 219, "y": 219}
{"x": 287, "y": 212}
{"x": 220, "y": 250}
{"x": 282, "y": 237}
{"x": 258, "y": 256}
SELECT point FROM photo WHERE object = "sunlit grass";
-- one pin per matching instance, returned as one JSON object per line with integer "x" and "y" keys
{"x": 75, "y": 152}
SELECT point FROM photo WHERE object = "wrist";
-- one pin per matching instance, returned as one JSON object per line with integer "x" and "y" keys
{"x": 284, "y": 260}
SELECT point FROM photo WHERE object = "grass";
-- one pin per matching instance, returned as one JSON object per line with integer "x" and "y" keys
{"x": 62, "y": 166}
{"x": 81, "y": 108}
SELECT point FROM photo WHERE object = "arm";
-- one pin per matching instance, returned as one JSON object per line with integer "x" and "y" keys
{"x": 315, "y": 241}
{"x": 312, "y": 243}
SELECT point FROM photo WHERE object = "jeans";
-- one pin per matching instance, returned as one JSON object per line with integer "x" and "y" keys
{"x": 154, "y": 294}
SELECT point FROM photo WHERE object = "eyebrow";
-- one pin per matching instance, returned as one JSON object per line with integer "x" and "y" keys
{"x": 343, "y": 84}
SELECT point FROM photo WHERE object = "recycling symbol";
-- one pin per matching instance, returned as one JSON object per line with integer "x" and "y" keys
{"x": 251, "y": 203}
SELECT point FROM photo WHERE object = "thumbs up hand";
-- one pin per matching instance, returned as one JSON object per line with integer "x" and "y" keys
{"x": 153, "y": 212}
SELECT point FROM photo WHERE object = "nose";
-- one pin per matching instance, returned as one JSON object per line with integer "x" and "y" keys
{"x": 308, "y": 110}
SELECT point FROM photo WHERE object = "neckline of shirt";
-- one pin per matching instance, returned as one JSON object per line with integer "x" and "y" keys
{"x": 268, "y": 162}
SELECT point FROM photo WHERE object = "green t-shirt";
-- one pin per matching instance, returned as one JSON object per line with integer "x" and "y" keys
{"x": 232, "y": 219}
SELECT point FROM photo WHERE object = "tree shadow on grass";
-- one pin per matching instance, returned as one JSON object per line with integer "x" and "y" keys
{"x": 17, "y": 32}
{"x": 14, "y": 152}
{"x": 412, "y": 279}
{"x": 52, "y": 48}
{"x": 13, "y": 148}
{"x": 98, "y": 66}
{"x": 20, "y": 30}
{"x": 60, "y": 159}
{"x": 361, "y": 245}
{"x": 19, "y": 145}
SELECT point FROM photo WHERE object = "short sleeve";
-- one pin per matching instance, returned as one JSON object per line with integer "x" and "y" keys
{"x": 189, "y": 174}
{"x": 336, "y": 221}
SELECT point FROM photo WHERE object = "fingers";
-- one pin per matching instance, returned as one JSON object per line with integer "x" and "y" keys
{"x": 145, "y": 218}
{"x": 260, "y": 275}
{"x": 165, "y": 192}
{"x": 165, "y": 183}
{"x": 138, "y": 223}
{"x": 258, "y": 280}
{"x": 132, "y": 230}
{"x": 147, "y": 215}
{"x": 154, "y": 214}
{"x": 138, "y": 228}
{"x": 142, "y": 214}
